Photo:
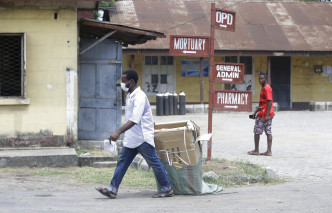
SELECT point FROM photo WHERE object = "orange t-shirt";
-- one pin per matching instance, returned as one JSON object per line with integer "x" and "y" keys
{"x": 265, "y": 96}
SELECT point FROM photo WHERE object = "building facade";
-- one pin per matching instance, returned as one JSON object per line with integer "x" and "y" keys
{"x": 288, "y": 40}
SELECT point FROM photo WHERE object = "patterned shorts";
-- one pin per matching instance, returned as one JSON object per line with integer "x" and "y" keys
{"x": 261, "y": 125}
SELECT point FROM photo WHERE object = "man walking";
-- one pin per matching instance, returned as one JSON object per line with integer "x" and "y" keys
{"x": 138, "y": 138}
{"x": 264, "y": 117}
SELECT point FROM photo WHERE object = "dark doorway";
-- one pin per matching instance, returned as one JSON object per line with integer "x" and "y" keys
{"x": 280, "y": 81}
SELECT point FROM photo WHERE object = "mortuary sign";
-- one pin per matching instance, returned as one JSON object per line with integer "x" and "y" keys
{"x": 181, "y": 45}
{"x": 229, "y": 73}
{"x": 225, "y": 20}
{"x": 232, "y": 100}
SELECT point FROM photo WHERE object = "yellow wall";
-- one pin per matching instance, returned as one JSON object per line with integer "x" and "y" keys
{"x": 51, "y": 47}
{"x": 190, "y": 85}
{"x": 306, "y": 85}
{"x": 260, "y": 65}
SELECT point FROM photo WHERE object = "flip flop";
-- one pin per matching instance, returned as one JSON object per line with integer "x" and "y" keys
{"x": 253, "y": 153}
{"x": 106, "y": 192}
{"x": 266, "y": 153}
{"x": 164, "y": 194}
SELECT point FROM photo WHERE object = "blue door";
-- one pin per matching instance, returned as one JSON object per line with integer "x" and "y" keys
{"x": 99, "y": 112}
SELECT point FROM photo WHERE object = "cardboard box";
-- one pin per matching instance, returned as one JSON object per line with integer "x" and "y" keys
{"x": 176, "y": 143}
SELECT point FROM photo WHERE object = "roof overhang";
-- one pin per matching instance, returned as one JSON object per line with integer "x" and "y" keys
{"x": 90, "y": 28}
{"x": 165, "y": 52}
{"x": 81, "y": 4}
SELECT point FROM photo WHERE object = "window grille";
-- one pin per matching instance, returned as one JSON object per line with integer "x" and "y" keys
{"x": 11, "y": 64}
{"x": 246, "y": 60}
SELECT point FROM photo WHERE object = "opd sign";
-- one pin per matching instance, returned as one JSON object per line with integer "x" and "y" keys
{"x": 229, "y": 73}
{"x": 198, "y": 46}
{"x": 225, "y": 20}
{"x": 232, "y": 100}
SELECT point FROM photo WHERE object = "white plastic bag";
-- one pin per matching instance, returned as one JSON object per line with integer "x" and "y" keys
{"x": 110, "y": 146}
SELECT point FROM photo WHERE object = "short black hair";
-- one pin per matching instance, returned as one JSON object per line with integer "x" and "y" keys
{"x": 131, "y": 74}
{"x": 263, "y": 74}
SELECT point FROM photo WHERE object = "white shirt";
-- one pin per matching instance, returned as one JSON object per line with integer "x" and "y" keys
{"x": 138, "y": 110}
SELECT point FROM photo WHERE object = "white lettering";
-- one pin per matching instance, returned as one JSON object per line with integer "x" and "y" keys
{"x": 218, "y": 17}
{"x": 176, "y": 44}
{"x": 234, "y": 100}
{"x": 221, "y": 98}
{"x": 189, "y": 44}
{"x": 229, "y": 19}
{"x": 222, "y": 18}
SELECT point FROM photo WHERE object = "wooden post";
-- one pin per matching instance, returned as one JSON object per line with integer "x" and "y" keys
{"x": 213, "y": 17}
{"x": 269, "y": 70}
{"x": 132, "y": 62}
{"x": 202, "y": 80}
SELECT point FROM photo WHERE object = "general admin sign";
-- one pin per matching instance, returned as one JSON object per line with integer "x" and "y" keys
{"x": 198, "y": 46}
{"x": 229, "y": 73}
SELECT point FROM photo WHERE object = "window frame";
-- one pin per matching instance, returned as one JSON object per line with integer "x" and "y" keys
{"x": 22, "y": 98}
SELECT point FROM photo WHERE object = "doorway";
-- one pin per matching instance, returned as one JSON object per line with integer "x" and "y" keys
{"x": 99, "y": 112}
{"x": 280, "y": 81}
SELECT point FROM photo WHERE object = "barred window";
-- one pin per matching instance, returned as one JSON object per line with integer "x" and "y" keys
{"x": 12, "y": 64}
{"x": 246, "y": 60}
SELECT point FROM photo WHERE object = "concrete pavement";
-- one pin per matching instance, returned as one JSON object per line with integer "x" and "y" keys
{"x": 302, "y": 141}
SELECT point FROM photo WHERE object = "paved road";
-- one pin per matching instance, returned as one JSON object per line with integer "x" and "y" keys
{"x": 302, "y": 148}
{"x": 302, "y": 141}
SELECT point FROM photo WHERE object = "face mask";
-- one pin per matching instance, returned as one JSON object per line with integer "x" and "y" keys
{"x": 124, "y": 88}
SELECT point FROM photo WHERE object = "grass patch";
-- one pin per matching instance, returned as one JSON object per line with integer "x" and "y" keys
{"x": 231, "y": 174}
{"x": 134, "y": 178}
{"x": 237, "y": 173}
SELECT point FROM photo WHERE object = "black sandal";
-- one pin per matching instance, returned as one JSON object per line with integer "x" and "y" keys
{"x": 164, "y": 194}
{"x": 106, "y": 192}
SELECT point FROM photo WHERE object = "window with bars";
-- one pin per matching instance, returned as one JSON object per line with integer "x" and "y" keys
{"x": 12, "y": 48}
{"x": 246, "y": 60}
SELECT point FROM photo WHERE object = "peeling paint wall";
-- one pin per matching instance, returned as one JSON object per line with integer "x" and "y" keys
{"x": 306, "y": 84}
{"x": 51, "y": 50}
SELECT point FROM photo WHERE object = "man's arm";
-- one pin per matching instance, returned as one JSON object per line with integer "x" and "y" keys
{"x": 269, "y": 105}
{"x": 124, "y": 128}
{"x": 254, "y": 114}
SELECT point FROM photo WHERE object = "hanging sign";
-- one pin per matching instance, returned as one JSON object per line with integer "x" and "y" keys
{"x": 232, "y": 100}
{"x": 229, "y": 73}
{"x": 198, "y": 46}
{"x": 225, "y": 20}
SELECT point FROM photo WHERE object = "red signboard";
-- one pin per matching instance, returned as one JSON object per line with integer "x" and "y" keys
{"x": 229, "y": 73}
{"x": 232, "y": 100}
{"x": 181, "y": 45}
{"x": 225, "y": 20}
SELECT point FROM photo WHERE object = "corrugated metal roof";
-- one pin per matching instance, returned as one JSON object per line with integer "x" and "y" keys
{"x": 260, "y": 26}
{"x": 128, "y": 35}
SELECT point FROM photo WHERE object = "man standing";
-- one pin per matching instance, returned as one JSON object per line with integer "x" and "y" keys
{"x": 264, "y": 117}
{"x": 138, "y": 138}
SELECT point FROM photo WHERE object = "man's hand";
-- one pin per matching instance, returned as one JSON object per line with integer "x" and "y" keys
{"x": 267, "y": 118}
{"x": 115, "y": 136}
